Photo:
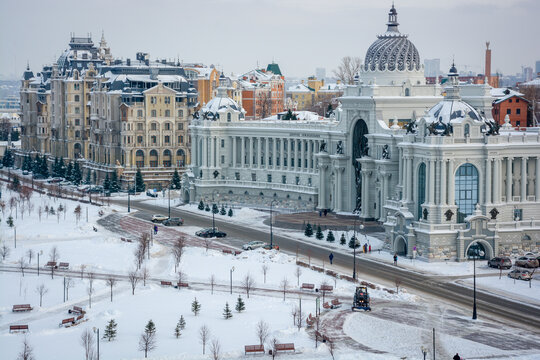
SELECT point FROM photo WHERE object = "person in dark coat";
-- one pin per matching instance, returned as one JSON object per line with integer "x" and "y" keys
{"x": 456, "y": 357}
{"x": 395, "y": 259}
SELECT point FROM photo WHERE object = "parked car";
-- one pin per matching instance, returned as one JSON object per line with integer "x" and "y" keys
{"x": 95, "y": 189}
{"x": 254, "y": 245}
{"x": 174, "y": 221}
{"x": 206, "y": 233}
{"x": 152, "y": 193}
{"x": 527, "y": 261}
{"x": 55, "y": 180}
{"x": 500, "y": 262}
{"x": 274, "y": 246}
{"x": 25, "y": 172}
{"x": 520, "y": 274}
{"x": 158, "y": 218}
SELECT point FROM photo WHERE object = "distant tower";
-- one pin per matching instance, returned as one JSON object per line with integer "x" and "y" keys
{"x": 487, "y": 69}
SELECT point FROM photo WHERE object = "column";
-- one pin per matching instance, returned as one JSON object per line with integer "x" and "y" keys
{"x": 488, "y": 181}
{"x": 443, "y": 182}
{"x": 431, "y": 182}
{"x": 523, "y": 178}
{"x": 302, "y": 155}
{"x": 537, "y": 180}
{"x": 205, "y": 151}
{"x": 234, "y": 152}
{"x": 243, "y": 152}
{"x": 400, "y": 167}
{"x": 497, "y": 181}
{"x": 309, "y": 156}
{"x": 408, "y": 178}
{"x": 212, "y": 152}
{"x": 338, "y": 195}
{"x": 281, "y": 153}
{"x": 322, "y": 186}
{"x": 194, "y": 152}
{"x": 437, "y": 182}
{"x": 451, "y": 183}
{"x": 274, "y": 153}
{"x": 509, "y": 179}
{"x": 290, "y": 150}
{"x": 266, "y": 153}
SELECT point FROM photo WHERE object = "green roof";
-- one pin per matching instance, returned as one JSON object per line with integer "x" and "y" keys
{"x": 274, "y": 68}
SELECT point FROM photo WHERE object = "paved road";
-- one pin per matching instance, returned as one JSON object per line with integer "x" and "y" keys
{"x": 493, "y": 304}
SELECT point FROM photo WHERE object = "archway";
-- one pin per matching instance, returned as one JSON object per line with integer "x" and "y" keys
{"x": 180, "y": 158}
{"x": 186, "y": 196}
{"x": 359, "y": 149}
{"x": 480, "y": 249}
{"x": 167, "y": 158}
{"x": 153, "y": 158}
{"x": 77, "y": 152}
{"x": 400, "y": 246}
{"x": 139, "y": 158}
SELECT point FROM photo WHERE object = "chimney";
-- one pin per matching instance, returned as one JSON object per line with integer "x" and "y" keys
{"x": 487, "y": 70}
{"x": 128, "y": 62}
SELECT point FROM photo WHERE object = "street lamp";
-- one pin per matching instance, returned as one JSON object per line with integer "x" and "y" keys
{"x": 169, "y": 201}
{"x": 129, "y": 199}
{"x": 476, "y": 252}
{"x": 40, "y": 252}
{"x": 354, "y": 248}
{"x": 96, "y": 330}
{"x": 213, "y": 220}
{"x": 271, "y": 232}
{"x": 232, "y": 269}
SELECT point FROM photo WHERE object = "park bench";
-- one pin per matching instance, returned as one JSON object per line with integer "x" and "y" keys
{"x": 51, "y": 264}
{"x": 79, "y": 319}
{"x": 285, "y": 347}
{"x": 181, "y": 284}
{"x": 76, "y": 310}
{"x": 17, "y": 328}
{"x": 166, "y": 283}
{"x": 237, "y": 252}
{"x": 253, "y": 349}
{"x": 306, "y": 286}
{"x": 227, "y": 251}
{"x": 22, "y": 307}
{"x": 67, "y": 322}
{"x": 336, "y": 303}
{"x": 63, "y": 265}
{"x": 326, "y": 288}
{"x": 310, "y": 320}
{"x": 326, "y": 306}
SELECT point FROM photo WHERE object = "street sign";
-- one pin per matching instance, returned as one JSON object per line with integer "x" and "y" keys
{"x": 331, "y": 257}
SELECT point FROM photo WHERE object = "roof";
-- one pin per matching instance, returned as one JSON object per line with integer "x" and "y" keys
{"x": 535, "y": 82}
{"x": 506, "y": 97}
{"x": 274, "y": 68}
{"x": 300, "y": 88}
{"x": 501, "y": 92}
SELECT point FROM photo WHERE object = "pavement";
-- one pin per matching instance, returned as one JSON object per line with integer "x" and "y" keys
{"x": 332, "y": 221}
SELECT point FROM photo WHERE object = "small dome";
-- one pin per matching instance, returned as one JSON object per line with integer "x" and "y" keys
{"x": 221, "y": 101}
{"x": 448, "y": 110}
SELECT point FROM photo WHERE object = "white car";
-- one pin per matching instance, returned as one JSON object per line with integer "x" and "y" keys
{"x": 253, "y": 245}
{"x": 157, "y": 218}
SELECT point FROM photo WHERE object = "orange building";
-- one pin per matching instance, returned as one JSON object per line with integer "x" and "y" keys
{"x": 513, "y": 105}
{"x": 206, "y": 81}
{"x": 263, "y": 92}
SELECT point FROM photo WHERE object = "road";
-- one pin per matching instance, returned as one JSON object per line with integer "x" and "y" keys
{"x": 492, "y": 304}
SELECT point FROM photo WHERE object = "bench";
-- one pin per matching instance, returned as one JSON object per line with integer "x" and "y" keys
{"x": 79, "y": 319}
{"x": 253, "y": 349}
{"x": 63, "y": 265}
{"x": 181, "y": 284}
{"x": 17, "y": 328}
{"x": 166, "y": 283}
{"x": 306, "y": 286}
{"x": 51, "y": 264}
{"x": 22, "y": 307}
{"x": 326, "y": 306}
{"x": 336, "y": 303}
{"x": 77, "y": 310}
{"x": 237, "y": 252}
{"x": 322, "y": 336}
{"x": 326, "y": 288}
{"x": 310, "y": 320}
{"x": 227, "y": 251}
{"x": 67, "y": 322}
{"x": 285, "y": 347}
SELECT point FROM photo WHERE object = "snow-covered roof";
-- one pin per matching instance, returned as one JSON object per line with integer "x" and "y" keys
{"x": 451, "y": 109}
{"x": 534, "y": 82}
{"x": 300, "y": 88}
{"x": 221, "y": 101}
{"x": 502, "y": 92}
{"x": 332, "y": 87}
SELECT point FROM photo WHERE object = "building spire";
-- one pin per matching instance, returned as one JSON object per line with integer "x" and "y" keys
{"x": 392, "y": 20}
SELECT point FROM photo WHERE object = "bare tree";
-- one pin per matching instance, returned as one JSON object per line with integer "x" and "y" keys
{"x": 27, "y": 353}
{"x": 262, "y": 331}
{"x": 69, "y": 284}
{"x": 22, "y": 264}
{"x": 299, "y": 317}
{"x": 207, "y": 242}
{"x": 204, "y": 335}
{"x": 87, "y": 342}
{"x": 40, "y": 211}
{"x": 77, "y": 212}
{"x": 90, "y": 288}
{"x": 215, "y": 349}
{"x": 247, "y": 283}
{"x": 265, "y": 102}
{"x": 272, "y": 344}
{"x": 298, "y": 273}
{"x": 139, "y": 256}
{"x": 133, "y": 277}
{"x": 398, "y": 284}
{"x": 53, "y": 257}
{"x": 147, "y": 341}
{"x": 182, "y": 277}
{"x": 212, "y": 282}
{"x": 294, "y": 314}
{"x": 264, "y": 270}
{"x": 82, "y": 270}
{"x": 284, "y": 286}
{"x": 178, "y": 250}
{"x": 41, "y": 290}
{"x": 4, "y": 251}
{"x": 111, "y": 282}
{"x": 331, "y": 347}
{"x": 30, "y": 254}
{"x": 347, "y": 69}
{"x": 145, "y": 274}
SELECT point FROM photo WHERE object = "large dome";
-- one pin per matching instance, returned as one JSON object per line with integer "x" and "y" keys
{"x": 392, "y": 50}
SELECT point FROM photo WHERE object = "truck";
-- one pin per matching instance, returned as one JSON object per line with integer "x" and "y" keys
{"x": 361, "y": 299}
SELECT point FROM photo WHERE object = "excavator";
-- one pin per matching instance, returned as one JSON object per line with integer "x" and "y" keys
{"x": 361, "y": 299}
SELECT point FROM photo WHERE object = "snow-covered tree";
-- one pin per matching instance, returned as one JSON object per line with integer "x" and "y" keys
{"x": 114, "y": 186}
{"x": 41, "y": 290}
{"x": 201, "y": 205}
{"x": 147, "y": 341}
{"x": 27, "y": 353}
{"x": 76, "y": 174}
{"x": 87, "y": 342}
{"x": 107, "y": 183}
{"x": 179, "y": 327}
{"x": 222, "y": 211}
{"x": 110, "y": 330}
{"x": 319, "y": 235}
{"x": 330, "y": 237}
{"x": 353, "y": 243}
{"x": 240, "y": 306}
{"x": 262, "y": 331}
{"x": 227, "y": 314}
{"x": 309, "y": 230}
{"x": 175, "y": 181}
{"x": 111, "y": 282}
{"x": 342, "y": 240}
{"x": 248, "y": 283}
{"x": 4, "y": 251}
{"x": 139, "y": 181}
{"x": 230, "y": 212}
{"x": 204, "y": 335}
{"x": 206, "y": 208}
{"x": 195, "y": 307}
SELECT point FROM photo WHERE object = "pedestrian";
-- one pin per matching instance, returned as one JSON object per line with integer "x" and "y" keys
{"x": 155, "y": 229}
{"x": 325, "y": 212}
{"x": 395, "y": 259}
{"x": 456, "y": 357}
{"x": 370, "y": 248}
{"x": 320, "y": 213}
{"x": 365, "y": 248}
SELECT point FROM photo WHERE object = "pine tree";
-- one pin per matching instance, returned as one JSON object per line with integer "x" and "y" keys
{"x": 110, "y": 330}
{"x": 195, "y": 307}
{"x": 61, "y": 168}
{"x": 15, "y": 183}
{"x": 107, "y": 183}
{"x": 207, "y": 208}
{"x": 230, "y": 213}
{"x": 67, "y": 173}
{"x": 76, "y": 175}
{"x": 352, "y": 243}
{"x": 10, "y": 221}
{"x": 227, "y": 314}
{"x": 7, "y": 159}
{"x": 175, "y": 182}
{"x": 27, "y": 163}
{"x": 342, "y": 240}
{"x": 54, "y": 169}
{"x": 35, "y": 165}
{"x": 139, "y": 181}
{"x": 44, "y": 167}
{"x": 215, "y": 209}
{"x": 330, "y": 237}
{"x": 222, "y": 211}
{"x": 201, "y": 205}
{"x": 309, "y": 230}
{"x": 179, "y": 327}
{"x": 319, "y": 235}
{"x": 240, "y": 306}
{"x": 87, "y": 181}
{"x": 114, "y": 187}
{"x": 182, "y": 322}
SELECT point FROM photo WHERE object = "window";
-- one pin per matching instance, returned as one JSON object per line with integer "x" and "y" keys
{"x": 222, "y": 143}
{"x": 508, "y": 111}
{"x": 309, "y": 181}
{"x": 518, "y": 214}
{"x": 153, "y": 126}
{"x": 466, "y": 190}
{"x": 467, "y": 130}
{"x": 269, "y": 178}
{"x": 283, "y": 179}
{"x": 153, "y": 100}
{"x": 140, "y": 126}
{"x": 77, "y": 122}
{"x": 518, "y": 111}
{"x": 180, "y": 126}
{"x": 153, "y": 139}
{"x": 517, "y": 100}
{"x": 253, "y": 177}
{"x": 139, "y": 113}
{"x": 518, "y": 123}
{"x": 139, "y": 139}
{"x": 297, "y": 180}
{"x": 167, "y": 99}
{"x": 77, "y": 134}
{"x": 228, "y": 117}
{"x": 180, "y": 139}
{"x": 167, "y": 125}
{"x": 421, "y": 188}
{"x": 509, "y": 100}
{"x": 77, "y": 98}
{"x": 167, "y": 113}
{"x": 76, "y": 86}
{"x": 77, "y": 110}
{"x": 223, "y": 159}
{"x": 180, "y": 114}
{"x": 237, "y": 176}
{"x": 153, "y": 113}
{"x": 167, "y": 139}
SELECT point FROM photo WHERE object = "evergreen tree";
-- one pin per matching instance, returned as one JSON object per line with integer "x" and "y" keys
{"x": 139, "y": 181}
{"x": 175, "y": 182}
{"x": 230, "y": 213}
{"x": 114, "y": 186}
{"x": 15, "y": 183}
{"x": 201, "y": 205}
{"x": 27, "y": 163}
{"x": 215, "y": 209}
{"x": 44, "y": 167}
{"x": 8, "y": 159}
{"x": 177, "y": 331}
{"x": 68, "y": 171}
{"x": 10, "y": 221}
{"x": 87, "y": 181}
{"x": 61, "y": 168}
{"x": 240, "y": 306}
{"x": 319, "y": 235}
{"x": 330, "y": 237}
{"x": 207, "y": 208}
{"x": 353, "y": 243}
{"x": 76, "y": 175}
{"x": 222, "y": 211}
{"x": 309, "y": 230}
{"x": 179, "y": 326}
{"x": 107, "y": 183}
{"x": 54, "y": 170}
{"x": 342, "y": 240}
{"x": 227, "y": 314}
{"x": 110, "y": 330}
{"x": 195, "y": 307}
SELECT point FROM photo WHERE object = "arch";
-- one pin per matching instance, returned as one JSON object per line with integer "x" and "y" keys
{"x": 228, "y": 117}
{"x": 153, "y": 158}
{"x": 77, "y": 150}
{"x": 407, "y": 92}
{"x": 400, "y": 246}
{"x": 481, "y": 245}
{"x": 167, "y": 158}
{"x": 421, "y": 189}
{"x": 466, "y": 190}
{"x": 180, "y": 158}
{"x": 139, "y": 158}
{"x": 359, "y": 149}
{"x": 186, "y": 196}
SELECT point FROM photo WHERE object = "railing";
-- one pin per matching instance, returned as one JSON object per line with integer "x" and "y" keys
{"x": 257, "y": 184}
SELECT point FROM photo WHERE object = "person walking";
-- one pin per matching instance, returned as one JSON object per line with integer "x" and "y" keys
{"x": 155, "y": 229}
{"x": 370, "y": 248}
{"x": 456, "y": 357}
{"x": 395, "y": 259}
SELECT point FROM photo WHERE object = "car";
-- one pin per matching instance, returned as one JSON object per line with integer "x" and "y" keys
{"x": 64, "y": 183}
{"x": 500, "y": 263}
{"x": 158, "y": 218}
{"x": 252, "y": 245}
{"x": 274, "y": 246}
{"x": 25, "y": 172}
{"x": 95, "y": 189}
{"x": 55, "y": 180}
{"x": 174, "y": 221}
{"x": 520, "y": 274}
{"x": 152, "y": 194}
{"x": 527, "y": 261}
{"x": 206, "y": 233}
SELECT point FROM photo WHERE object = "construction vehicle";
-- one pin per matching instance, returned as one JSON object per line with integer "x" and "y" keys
{"x": 361, "y": 299}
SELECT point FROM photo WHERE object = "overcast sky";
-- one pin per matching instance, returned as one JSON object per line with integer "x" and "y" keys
{"x": 299, "y": 35}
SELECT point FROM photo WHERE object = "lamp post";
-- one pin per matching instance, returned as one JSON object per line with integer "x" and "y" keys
{"x": 271, "y": 232}
{"x": 354, "y": 249}
{"x": 169, "y": 201}
{"x": 39, "y": 253}
{"x": 129, "y": 199}
{"x": 213, "y": 220}
{"x": 232, "y": 269}
{"x": 476, "y": 253}
{"x": 96, "y": 330}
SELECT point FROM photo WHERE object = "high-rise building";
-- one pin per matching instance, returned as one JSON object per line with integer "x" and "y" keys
{"x": 537, "y": 68}
{"x": 432, "y": 67}
{"x": 527, "y": 73}
{"x": 320, "y": 73}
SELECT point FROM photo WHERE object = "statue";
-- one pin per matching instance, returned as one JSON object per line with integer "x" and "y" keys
{"x": 322, "y": 148}
{"x": 494, "y": 212}
{"x": 196, "y": 115}
{"x": 411, "y": 127}
{"x": 385, "y": 152}
{"x": 448, "y": 215}
{"x": 425, "y": 213}
{"x": 339, "y": 149}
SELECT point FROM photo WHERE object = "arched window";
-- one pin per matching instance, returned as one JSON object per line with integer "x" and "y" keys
{"x": 467, "y": 130}
{"x": 407, "y": 92}
{"x": 466, "y": 190}
{"x": 421, "y": 189}
{"x": 153, "y": 158}
{"x": 167, "y": 125}
{"x": 228, "y": 117}
{"x": 139, "y": 158}
{"x": 180, "y": 158}
{"x": 167, "y": 158}
{"x": 77, "y": 98}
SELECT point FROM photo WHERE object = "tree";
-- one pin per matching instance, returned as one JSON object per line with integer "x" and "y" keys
{"x": 139, "y": 181}
{"x": 298, "y": 273}
{"x": 8, "y": 159}
{"x": 195, "y": 307}
{"x": 215, "y": 349}
{"x": 68, "y": 171}
{"x": 178, "y": 250}
{"x": 347, "y": 69}
{"x": 240, "y": 306}
{"x": 110, "y": 330}
{"x": 262, "y": 331}
{"x": 90, "y": 288}
{"x": 87, "y": 180}
{"x": 212, "y": 283}
{"x": 44, "y": 168}
{"x": 114, "y": 186}
{"x": 77, "y": 212}
{"x": 222, "y": 211}
{"x": 145, "y": 274}
{"x": 147, "y": 341}
{"x": 179, "y": 327}
{"x": 76, "y": 174}
{"x": 319, "y": 235}
{"x": 15, "y": 183}
{"x": 69, "y": 284}
{"x": 353, "y": 243}
{"x": 30, "y": 254}
{"x": 201, "y": 205}
{"x": 330, "y": 237}
{"x": 264, "y": 270}
{"x": 111, "y": 282}
{"x": 87, "y": 342}
{"x": 53, "y": 257}
{"x": 107, "y": 183}
{"x": 342, "y": 240}
{"x": 230, "y": 213}
{"x": 284, "y": 286}
{"x": 22, "y": 264}
{"x": 247, "y": 283}
{"x": 309, "y": 230}
{"x": 27, "y": 353}
{"x": 272, "y": 344}
{"x": 215, "y": 209}
{"x": 41, "y": 290}
{"x": 265, "y": 101}
{"x": 4, "y": 251}
{"x": 207, "y": 242}
{"x": 398, "y": 284}
{"x": 206, "y": 208}
{"x": 204, "y": 335}
{"x": 175, "y": 181}
{"x": 133, "y": 277}
{"x": 182, "y": 278}
{"x": 227, "y": 314}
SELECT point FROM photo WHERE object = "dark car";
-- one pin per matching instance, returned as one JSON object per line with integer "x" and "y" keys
{"x": 152, "y": 194}
{"x": 206, "y": 233}
{"x": 500, "y": 262}
{"x": 174, "y": 221}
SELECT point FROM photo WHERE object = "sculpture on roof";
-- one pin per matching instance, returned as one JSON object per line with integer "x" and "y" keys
{"x": 322, "y": 148}
{"x": 493, "y": 128}
{"x": 411, "y": 127}
{"x": 385, "y": 152}
{"x": 339, "y": 149}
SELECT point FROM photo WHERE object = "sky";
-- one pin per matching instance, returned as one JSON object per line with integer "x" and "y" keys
{"x": 299, "y": 35}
